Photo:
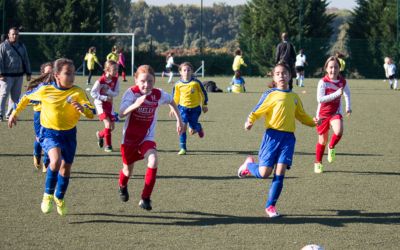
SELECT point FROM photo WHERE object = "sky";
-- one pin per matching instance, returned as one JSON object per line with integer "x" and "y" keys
{"x": 341, "y": 4}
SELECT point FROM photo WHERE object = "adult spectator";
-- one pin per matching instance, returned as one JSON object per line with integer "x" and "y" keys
{"x": 285, "y": 53}
{"x": 14, "y": 63}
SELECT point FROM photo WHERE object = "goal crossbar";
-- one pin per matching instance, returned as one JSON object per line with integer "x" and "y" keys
{"x": 132, "y": 35}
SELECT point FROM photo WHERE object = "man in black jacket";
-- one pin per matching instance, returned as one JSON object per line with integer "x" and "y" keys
{"x": 285, "y": 53}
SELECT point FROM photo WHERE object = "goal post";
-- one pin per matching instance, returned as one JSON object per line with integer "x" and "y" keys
{"x": 132, "y": 35}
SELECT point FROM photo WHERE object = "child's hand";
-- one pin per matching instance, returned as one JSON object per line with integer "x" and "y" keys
{"x": 317, "y": 121}
{"x": 248, "y": 125}
{"x": 12, "y": 120}
{"x": 348, "y": 113}
{"x": 340, "y": 91}
{"x": 77, "y": 106}
{"x": 179, "y": 127}
{"x": 205, "y": 109}
{"x": 140, "y": 100}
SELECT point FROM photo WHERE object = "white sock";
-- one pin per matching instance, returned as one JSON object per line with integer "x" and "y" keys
{"x": 395, "y": 84}
{"x": 171, "y": 74}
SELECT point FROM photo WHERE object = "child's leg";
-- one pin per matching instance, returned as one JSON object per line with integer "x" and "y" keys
{"x": 151, "y": 173}
{"x": 37, "y": 148}
{"x": 395, "y": 84}
{"x": 276, "y": 185}
{"x": 63, "y": 180}
{"x": 124, "y": 174}
{"x": 89, "y": 77}
{"x": 106, "y": 133}
{"x": 337, "y": 127}
{"x": 183, "y": 137}
{"x": 52, "y": 170}
{"x": 171, "y": 75}
{"x": 320, "y": 146}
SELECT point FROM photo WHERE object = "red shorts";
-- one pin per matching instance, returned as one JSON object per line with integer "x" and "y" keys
{"x": 133, "y": 153}
{"x": 325, "y": 123}
{"x": 107, "y": 112}
{"x": 104, "y": 116}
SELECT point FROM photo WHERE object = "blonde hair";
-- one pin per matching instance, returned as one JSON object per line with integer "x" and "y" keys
{"x": 147, "y": 69}
{"x": 109, "y": 63}
{"x": 331, "y": 58}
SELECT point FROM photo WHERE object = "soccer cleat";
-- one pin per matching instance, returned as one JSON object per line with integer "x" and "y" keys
{"x": 61, "y": 207}
{"x": 331, "y": 155}
{"x": 123, "y": 193}
{"x": 201, "y": 133}
{"x": 108, "y": 149}
{"x": 318, "y": 168}
{"x": 243, "y": 171}
{"x": 36, "y": 162}
{"x": 145, "y": 204}
{"x": 47, "y": 203}
{"x": 271, "y": 212}
{"x": 182, "y": 151}
{"x": 100, "y": 141}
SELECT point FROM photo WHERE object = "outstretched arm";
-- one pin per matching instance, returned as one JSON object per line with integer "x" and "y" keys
{"x": 175, "y": 112}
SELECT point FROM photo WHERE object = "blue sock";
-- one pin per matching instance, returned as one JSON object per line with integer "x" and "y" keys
{"x": 182, "y": 141}
{"x": 275, "y": 190}
{"x": 51, "y": 181}
{"x": 37, "y": 149}
{"x": 62, "y": 185}
{"x": 253, "y": 168}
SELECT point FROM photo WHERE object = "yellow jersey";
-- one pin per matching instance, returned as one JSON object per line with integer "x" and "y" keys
{"x": 113, "y": 56}
{"x": 190, "y": 94}
{"x": 281, "y": 108}
{"x": 91, "y": 58}
{"x": 57, "y": 112}
{"x": 237, "y": 63}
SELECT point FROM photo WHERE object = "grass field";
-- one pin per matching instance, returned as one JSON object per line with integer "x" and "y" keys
{"x": 198, "y": 201}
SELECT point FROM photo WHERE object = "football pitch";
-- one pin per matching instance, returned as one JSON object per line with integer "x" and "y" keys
{"x": 198, "y": 200}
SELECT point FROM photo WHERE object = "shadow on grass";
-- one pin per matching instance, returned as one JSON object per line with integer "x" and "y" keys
{"x": 195, "y": 218}
{"x": 363, "y": 172}
{"x": 115, "y": 176}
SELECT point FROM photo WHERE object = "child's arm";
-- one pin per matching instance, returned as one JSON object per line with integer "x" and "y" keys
{"x": 176, "y": 113}
{"x": 321, "y": 97}
{"x": 346, "y": 93}
{"x": 302, "y": 116}
{"x": 114, "y": 93}
{"x": 242, "y": 62}
{"x": 260, "y": 109}
{"x": 129, "y": 104}
{"x": 82, "y": 104}
{"x": 176, "y": 94}
{"x": 95, "y": 92}
{"x": 204, "y": 97}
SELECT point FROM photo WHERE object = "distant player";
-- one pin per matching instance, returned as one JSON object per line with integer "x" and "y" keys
{"x": 342, "y": 62}
{"x": 300, "y": 63}
{"x": 280, "y": 107}
{"x": 62, "y": 105}
{"x": 390, "y": 72}
{"x": 237, "y": 84}
{"x": 191, "y": 97}
{"x": 121, "y": 64}
{"x": 91, "y": 59}
{"x": 168, "y": 67}
{"x": 238, "y": 61}
{"x": 329, "y": 95}
{"x": 113, "y": 55}
{"x": 140, "y": 104}
{"x": 104, "y": 91}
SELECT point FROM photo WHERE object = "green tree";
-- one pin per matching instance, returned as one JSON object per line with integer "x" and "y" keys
{"x": 264, "y": 20}
{"x": 373, "y": 36}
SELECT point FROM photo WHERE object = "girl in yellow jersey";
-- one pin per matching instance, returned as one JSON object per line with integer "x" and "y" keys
{"x": 280, "y": 107}
{"x": 62, "y": 105}
{"x": 191, "y": 97}
{"x": 91, "y": 59}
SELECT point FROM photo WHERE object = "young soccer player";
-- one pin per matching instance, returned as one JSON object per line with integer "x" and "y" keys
{"x": 237, "y": 84}
{"x": 238, "y": 61}
{"x": 299, "y": 66}
{"x": 168, "y": 67}
{"x": 139, "y": 104}
{"x": 329, "y": 95}
{"x": 45, "y": 68}
{"x": 390, "y": 72}
{"x": 280, "y": 107}
{"x": 121, "y": 64}
{"x": 62, "y": 105}
{"x": 103, "y": 92}
{"x": 113, "y": 55}
{"x": 91, "y": 59}
{"x": 191, "y": 97}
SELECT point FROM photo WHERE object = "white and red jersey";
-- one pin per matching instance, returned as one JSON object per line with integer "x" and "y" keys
{"x": 329, "y": 97}
{"x": 140, "y": 124}
{"x": 102, "y": 89}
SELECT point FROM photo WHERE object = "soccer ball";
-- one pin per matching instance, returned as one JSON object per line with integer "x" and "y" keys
{"x": 312, "y": 247}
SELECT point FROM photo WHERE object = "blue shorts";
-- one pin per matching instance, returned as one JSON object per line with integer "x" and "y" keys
{"x": 36, "y": 123}
{"x": 276, "y": 147}
{"x": 191, "y": 116}
{"x": 63, "y": 139}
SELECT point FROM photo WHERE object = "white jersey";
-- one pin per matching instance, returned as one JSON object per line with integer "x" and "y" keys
{"x": 391, "y": 69}
{"x": 170, "y": 62}
{"x": 300, "y": 60}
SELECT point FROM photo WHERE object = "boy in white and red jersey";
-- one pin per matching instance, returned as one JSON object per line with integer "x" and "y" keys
{"x": 329, "y": 95}
{"x": 139, "y": 104}
{"x": 103, "y": 92}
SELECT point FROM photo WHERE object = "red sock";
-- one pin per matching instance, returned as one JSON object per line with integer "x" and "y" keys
{"x": 123, "y": 179}
{"x": 107, "y": 136}
{"x": 319, "y": 152}
{"x": 102, "y": 133}
{"x": 123, "y": 76}
{"x": 334, "y": 140}
{"x": 149, "y": 181}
